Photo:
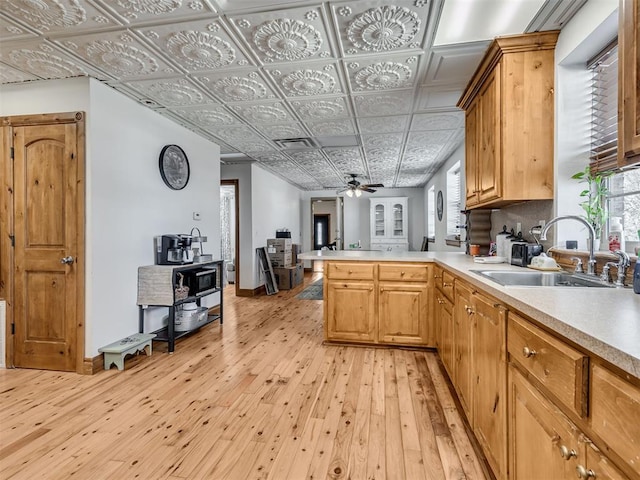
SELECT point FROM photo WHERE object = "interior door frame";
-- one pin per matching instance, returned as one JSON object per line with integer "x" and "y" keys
{"x": 235, "y": 183}
{"x": 339, "y": 218}
{"x": 7, "y": 260}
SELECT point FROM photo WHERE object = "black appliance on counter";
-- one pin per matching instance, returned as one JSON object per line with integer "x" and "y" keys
{"x": 173, "y": 249}
{"x": 522, "y": 253}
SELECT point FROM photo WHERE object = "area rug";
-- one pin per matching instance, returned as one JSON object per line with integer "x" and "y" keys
{"x": 312, "y": 292}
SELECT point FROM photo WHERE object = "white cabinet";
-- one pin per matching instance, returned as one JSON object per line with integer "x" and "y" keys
{"x": 389, "y": 224}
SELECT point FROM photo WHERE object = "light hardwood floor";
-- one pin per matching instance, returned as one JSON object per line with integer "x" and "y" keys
{"x": 259, "y": 398}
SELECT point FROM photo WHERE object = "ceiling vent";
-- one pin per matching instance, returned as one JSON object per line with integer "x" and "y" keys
{"x": 296, "y": 143}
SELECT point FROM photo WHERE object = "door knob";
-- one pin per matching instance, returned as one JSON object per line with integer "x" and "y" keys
{"x": 67, "y": 260}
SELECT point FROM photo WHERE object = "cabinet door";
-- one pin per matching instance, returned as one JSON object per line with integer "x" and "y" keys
{"x": 542, "y": 442}
{"x": 397, "y": 217}
{"x": 463, "y": 347}
{"x": 350, "y": 311}
{"x": 489, "y": 167}
{"x": 471, "y": 154}
{"x": 490, "y": 394}
{"x": 404, "y": 313}
{"x": 444, "y": 321}
{"x": 378, "y": 220}
{"x": 629, "y": 72}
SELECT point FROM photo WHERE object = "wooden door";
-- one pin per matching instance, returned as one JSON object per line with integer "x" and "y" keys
{"x": 490, "y": 394}
{"x": 463, "y": 347}
{"x": 403, "y": 313}
{"x": 542, "y": 442}
{"x": 350, "y": 311}
{"x": 489, "y": 166}
{"x": 471, "y": 154}
{"x": 47, "y": 230}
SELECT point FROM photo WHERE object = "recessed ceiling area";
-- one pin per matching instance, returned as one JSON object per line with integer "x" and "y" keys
{"x": 369, "y": 85}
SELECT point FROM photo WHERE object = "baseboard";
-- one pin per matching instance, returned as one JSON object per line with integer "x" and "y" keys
{"x": 93, "y": 365}
{"x": 246, "y": 292}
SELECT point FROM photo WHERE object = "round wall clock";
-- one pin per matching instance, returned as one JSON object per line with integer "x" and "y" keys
{"x": 174, "y": 167}
{"x": 440, "y": 205}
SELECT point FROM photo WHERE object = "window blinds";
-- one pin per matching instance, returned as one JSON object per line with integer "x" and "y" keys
{"x": 604, "y": 110}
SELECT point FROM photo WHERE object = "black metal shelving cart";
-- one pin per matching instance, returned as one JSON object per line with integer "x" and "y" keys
{"x": 157, "y": 288}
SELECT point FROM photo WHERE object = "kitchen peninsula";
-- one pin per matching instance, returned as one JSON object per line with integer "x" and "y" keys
{"x": 555, "y": 367}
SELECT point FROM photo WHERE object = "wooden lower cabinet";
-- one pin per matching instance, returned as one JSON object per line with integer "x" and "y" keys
{"x": 350, "y": 311}
{"x": 543, "y": 444}
{"x": 403, "y": 313}
{"x": 388, "y": 303}
{"x": 599, "y": 467}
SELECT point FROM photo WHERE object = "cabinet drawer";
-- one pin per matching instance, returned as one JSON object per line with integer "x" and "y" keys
{"x": 615, "y": 410}
{"x": 399, "y": 272}
{"x": 558, "y": 367}
{"x": 350, "y": 271}
{"x": 447, "y": 285}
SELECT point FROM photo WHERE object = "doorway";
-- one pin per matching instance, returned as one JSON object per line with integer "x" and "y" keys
{"x": 321, "y": 223}
{"x": 331, "y": 209}
{"x": 230, "y": 230}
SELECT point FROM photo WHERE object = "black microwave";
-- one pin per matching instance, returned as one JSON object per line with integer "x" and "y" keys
{"x": 200, "y": 281}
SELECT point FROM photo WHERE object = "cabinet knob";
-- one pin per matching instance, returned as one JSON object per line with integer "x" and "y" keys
{"x": 401, "y": 274}
{"x": 350, "y": 272}
{"x": 468, "y": 309}
{"x": 445, "y": 284}
{"x": 567, "y": 453}
{"x": 437, "y": 276}
{"x": 528, "y": 352}
{"x": 584, "y": 473}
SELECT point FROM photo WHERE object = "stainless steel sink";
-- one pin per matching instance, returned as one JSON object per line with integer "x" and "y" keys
{"x": 530, "y": 278}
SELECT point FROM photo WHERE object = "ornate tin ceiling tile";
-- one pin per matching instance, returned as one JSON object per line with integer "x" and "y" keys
{"x": 137, "y": 11}
{"x": 173, "y": 92}
{"x": 251, "y": 146}
{"x": 394, "y": 73}
{"x": 58, "y": 16}
{"x": 198, "y": 45}
{"x": 285, "y": 35}
{"x": 239, "y": 87}
{"x": 437, "y": 121}
{"x": 334, "y": 127}
{"x": 321, "y": 109}
{"x": 383, "y": 104}
{"x": 291, "y": 130}
{"x": 384, "y": 141}
{"x": 10, "y": 30}
{"x": 119, "y": 54}
{"x": 274, "y": 112}
{"x": 238, "y": 134}
{"x": 374, "y": 28}
{"x": 393, "y": 124}
{"x": 11, "y": 75}
{"x": 312, "y": 79}
{"x": 209, "y": 117}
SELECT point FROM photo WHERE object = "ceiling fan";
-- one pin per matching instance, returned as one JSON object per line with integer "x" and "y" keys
{"x": 354, "y": 187}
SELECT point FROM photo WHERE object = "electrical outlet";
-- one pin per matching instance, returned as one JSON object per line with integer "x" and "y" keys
{"x": 196, "y": 215}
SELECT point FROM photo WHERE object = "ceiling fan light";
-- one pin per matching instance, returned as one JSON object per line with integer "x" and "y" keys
{"x": 349, "y": 193}
{"x": 358, "y": 193}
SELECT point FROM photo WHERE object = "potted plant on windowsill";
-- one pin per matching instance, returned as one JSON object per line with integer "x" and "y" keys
{"x": 594, "y": 199}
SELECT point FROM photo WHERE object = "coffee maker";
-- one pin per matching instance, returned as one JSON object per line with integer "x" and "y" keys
{"x": 172, "y": 249}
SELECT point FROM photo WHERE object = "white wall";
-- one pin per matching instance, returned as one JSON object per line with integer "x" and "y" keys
{"x": 440, "y": 182}
{"x": 267, "y": 203}
{"x": 589, "y": 31}
{"x": 127, "y": 203}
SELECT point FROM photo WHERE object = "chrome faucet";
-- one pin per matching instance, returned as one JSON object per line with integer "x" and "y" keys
{"x": 591, "y": 264}
{"x": 623, "y": 264}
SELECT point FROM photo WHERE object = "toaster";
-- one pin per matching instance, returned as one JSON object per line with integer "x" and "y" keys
{"x": 522, "y": 253}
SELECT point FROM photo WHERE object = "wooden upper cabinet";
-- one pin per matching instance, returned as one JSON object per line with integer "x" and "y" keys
{"x": 509, "y": 105}
{"x": 629, "y": 84}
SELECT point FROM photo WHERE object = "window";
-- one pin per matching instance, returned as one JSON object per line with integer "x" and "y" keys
{"x": 431, "y": 212}
{"x": 453, "y": 200}
{"x": 623, "y": 199}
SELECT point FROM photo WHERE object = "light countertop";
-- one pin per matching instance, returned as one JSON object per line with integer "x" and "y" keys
{"x": 605, "y": 321}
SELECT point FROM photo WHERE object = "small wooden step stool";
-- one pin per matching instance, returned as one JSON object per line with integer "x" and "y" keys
{"x": 116, "y": 351}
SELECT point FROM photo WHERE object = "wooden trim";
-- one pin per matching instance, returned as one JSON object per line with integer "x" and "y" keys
{"x": 236, "y": 184}
{"x": 6, "y": 229}
{"x": 80, "y": 245}
{"x": 44, "y": 119}
{"x": 247, "y": 292}
{"x": 91, "y": 366}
